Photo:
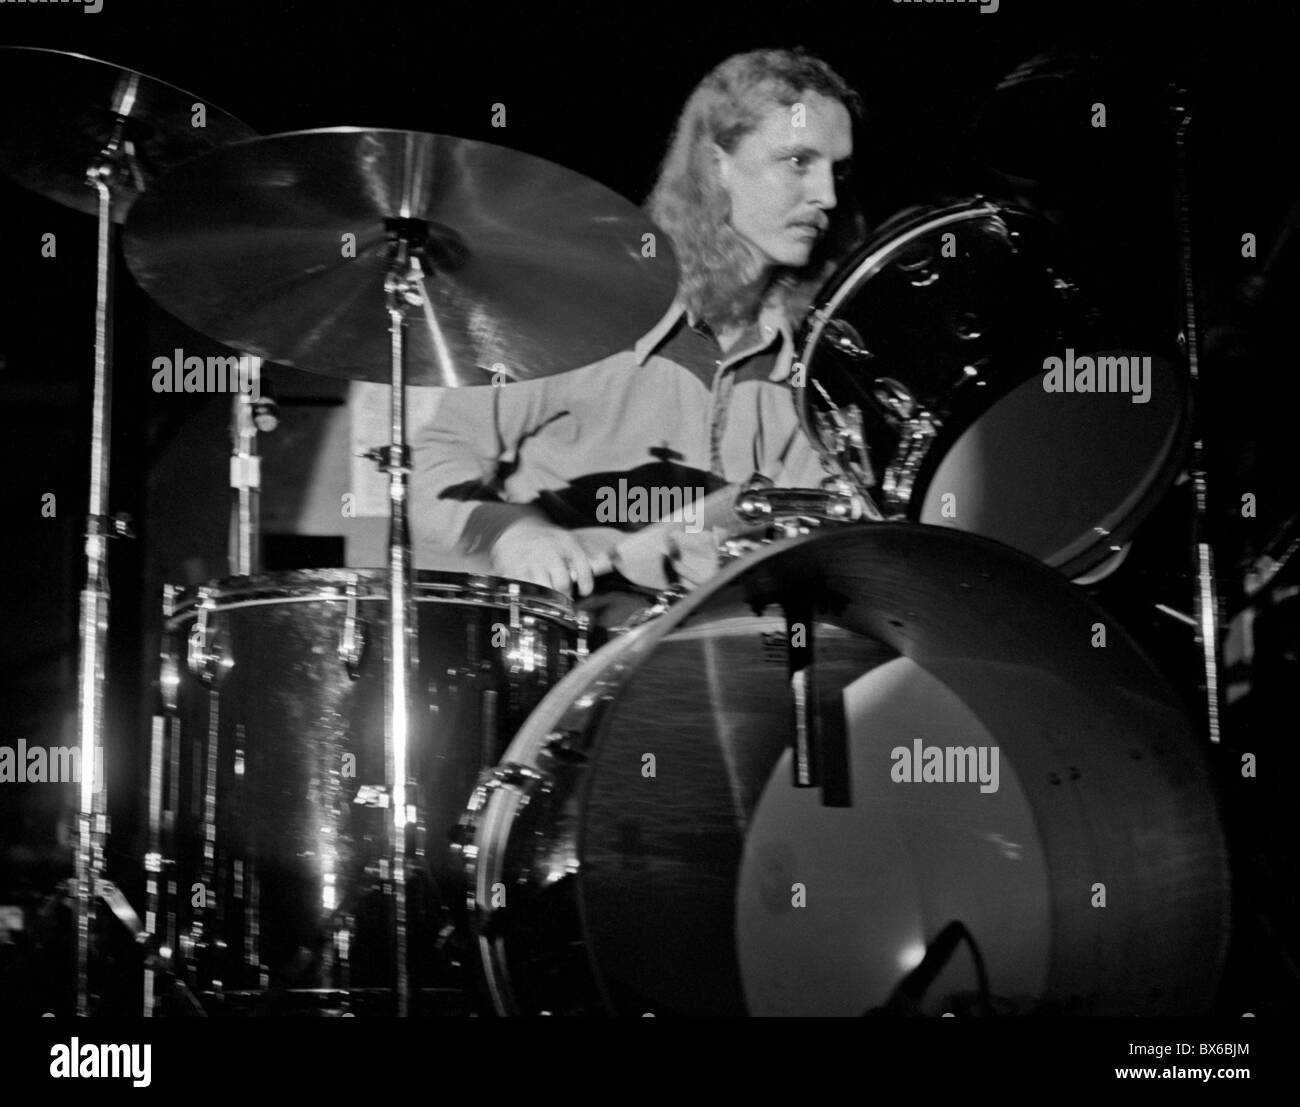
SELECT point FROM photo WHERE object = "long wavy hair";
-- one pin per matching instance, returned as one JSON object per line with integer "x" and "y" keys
{"x": 689, "y": 203}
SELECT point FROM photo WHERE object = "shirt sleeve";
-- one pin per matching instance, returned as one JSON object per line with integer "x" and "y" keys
{"x": 457, "y": 456}
{"x": 801, "y": 466}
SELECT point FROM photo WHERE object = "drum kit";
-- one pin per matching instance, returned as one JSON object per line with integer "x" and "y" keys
{"x": 390, "y": 791}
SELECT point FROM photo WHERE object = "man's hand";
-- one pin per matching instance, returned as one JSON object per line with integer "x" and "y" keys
{"x": 553, "y": 557}
{"x": 539, "y": 551}
{"x": 649, "y": 556}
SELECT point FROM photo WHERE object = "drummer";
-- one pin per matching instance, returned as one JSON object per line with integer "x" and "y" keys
{"x": 749, "y": 194}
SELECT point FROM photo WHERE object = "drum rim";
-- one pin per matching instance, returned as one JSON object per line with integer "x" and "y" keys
{"x": 490, "y": 817}
{"x": 331, "y": 585}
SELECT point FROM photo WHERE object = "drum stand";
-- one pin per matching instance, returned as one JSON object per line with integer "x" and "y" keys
{"x": 111, "y": 164}
{"x": 1206, "y": 599}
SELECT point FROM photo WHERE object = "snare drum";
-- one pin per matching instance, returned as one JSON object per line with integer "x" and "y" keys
{"x": 271, "y": 822}
{"x": 936, "y": 336}
{"x": 731, "y": 809}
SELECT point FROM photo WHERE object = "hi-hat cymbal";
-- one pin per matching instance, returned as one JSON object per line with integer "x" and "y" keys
{"x": 279, "y": 247}
{"x": 59, "y": 110}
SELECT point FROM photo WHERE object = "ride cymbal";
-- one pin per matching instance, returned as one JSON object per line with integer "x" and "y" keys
{"x": 279, "y": 246}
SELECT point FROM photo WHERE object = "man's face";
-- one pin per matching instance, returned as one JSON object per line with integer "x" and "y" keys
{"x": 782, "y": 176}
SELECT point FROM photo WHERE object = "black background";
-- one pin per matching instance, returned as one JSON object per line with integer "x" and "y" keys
{"x": 596, "y": 87}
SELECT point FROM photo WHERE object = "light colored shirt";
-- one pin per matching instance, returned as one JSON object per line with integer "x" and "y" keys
{"x": 641, "y": 415}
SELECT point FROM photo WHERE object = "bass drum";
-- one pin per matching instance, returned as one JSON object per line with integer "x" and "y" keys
{"x": 936, "y": 335}
{"x": 270, "y": 821}
{"x": 644, "y": 848}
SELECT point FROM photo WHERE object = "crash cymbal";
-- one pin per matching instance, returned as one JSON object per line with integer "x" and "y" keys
{"x": 279, "y": 247}
{"x": 58, "y": 110}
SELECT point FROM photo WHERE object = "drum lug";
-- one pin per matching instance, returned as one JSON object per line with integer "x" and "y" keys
{"x": 665, "y": 598}
{"x": 510, "y": 774}
{"x": 372, "y": 795}
{"x": 169, "y": 682}
{"x": 203, "y": 659}
{"x": 842, "y": 336}
{"x": 896, "y": 400}
{"x": 900, "y": 478}
{"x": 527, "y": 651}
{"x": 169, "y": 669}
{"x": 843, "y": 428}
{"x": 579, "y": 651}
{"x": 563, "y": 746}
{"x": 171, "y": 597}
{"x": 352, "y": 639}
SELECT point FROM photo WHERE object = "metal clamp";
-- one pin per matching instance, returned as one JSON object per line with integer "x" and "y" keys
{"x": 798, "y": 508}
{"x": 118, "y": 525}
{"x": 352, "y": 640}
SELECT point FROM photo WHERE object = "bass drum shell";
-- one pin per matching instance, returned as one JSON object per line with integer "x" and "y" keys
{"x": 642, "y": 848}
{"x": 959, "y": 308}
{"x": 274, "y": 782}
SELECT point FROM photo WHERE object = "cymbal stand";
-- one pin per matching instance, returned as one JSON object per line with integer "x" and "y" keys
{"x": 403, "y": 289}
{"x": 246, "y": 476}
{"x": 1206, "y": 598}
{"x": 112, "y": 163}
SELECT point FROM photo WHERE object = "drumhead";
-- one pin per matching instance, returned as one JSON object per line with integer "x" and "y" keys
{"x": 705, "y": 882}
{"x": 956, "y": 311}
{"x": 1065, "y": 477}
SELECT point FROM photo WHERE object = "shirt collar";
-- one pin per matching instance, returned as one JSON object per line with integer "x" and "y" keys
{"x": 654, "y": 337}
{"x": 772, "y": 323}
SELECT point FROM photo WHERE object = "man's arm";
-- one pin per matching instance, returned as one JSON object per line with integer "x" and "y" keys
{"x": 800, "y": 464}
{"x": 456, "y": 456}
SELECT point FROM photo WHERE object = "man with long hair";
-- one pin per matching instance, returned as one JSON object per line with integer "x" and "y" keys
{"x": 749, "y": 195}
